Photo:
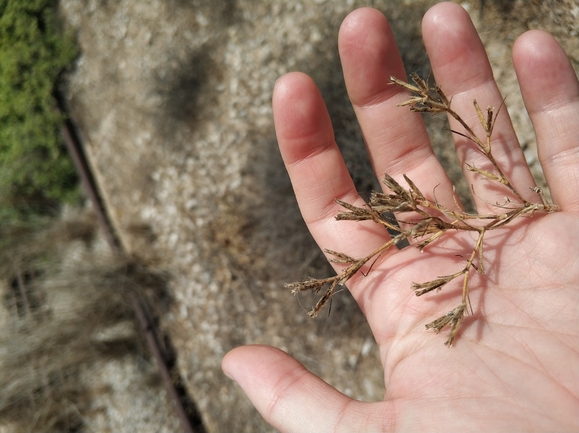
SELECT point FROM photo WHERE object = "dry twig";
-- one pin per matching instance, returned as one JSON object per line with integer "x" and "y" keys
{"x": 429, "y": 219}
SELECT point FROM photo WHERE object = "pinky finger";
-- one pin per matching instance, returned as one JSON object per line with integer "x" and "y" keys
{"x": 551, "y": 93}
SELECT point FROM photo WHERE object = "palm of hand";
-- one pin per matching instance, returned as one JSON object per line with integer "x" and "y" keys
{"x": 520, "y": 345}
{"x": 515, "y": 360}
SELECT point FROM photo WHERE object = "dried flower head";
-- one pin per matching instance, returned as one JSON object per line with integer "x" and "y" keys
{"x": 431, "y": 220}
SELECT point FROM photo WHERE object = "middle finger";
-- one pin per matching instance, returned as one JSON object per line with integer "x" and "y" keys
{"x": 396, "y": 139}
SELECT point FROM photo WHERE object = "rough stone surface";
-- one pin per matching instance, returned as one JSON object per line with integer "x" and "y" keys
{"x": 172, "y": 99}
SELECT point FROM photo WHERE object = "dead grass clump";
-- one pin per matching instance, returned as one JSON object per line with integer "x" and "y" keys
{"x": 64, "y": 306}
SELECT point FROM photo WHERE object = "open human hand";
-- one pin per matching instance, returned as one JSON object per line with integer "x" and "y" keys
{"x": 515, "y": 364}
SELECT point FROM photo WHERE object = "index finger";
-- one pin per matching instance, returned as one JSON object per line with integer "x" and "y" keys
{"x": 316, "y": 167}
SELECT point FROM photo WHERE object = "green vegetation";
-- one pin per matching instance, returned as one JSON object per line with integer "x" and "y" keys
{"x": 36, "y": 173}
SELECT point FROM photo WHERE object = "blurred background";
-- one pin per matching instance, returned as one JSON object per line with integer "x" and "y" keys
{"x": 170, "y": 101}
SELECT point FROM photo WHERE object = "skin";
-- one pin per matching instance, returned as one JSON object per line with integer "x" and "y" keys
{"x": 514, "y": 366}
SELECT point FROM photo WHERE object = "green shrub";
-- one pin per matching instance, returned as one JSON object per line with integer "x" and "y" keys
{"x": 36, "y": 172}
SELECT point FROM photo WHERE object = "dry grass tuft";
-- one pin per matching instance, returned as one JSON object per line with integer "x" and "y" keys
{"x": 64, "y": 306}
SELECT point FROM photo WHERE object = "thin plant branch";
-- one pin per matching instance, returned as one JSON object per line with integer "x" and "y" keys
{"x": 426, "y": 220}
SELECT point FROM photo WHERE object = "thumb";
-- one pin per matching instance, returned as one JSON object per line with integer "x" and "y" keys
{"x": 291, "y": 398}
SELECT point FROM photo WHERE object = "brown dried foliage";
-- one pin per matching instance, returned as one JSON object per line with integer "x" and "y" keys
{"x": 428, "y": 221}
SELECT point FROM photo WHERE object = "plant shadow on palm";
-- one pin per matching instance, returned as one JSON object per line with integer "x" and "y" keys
{"x": 411, "y": 214}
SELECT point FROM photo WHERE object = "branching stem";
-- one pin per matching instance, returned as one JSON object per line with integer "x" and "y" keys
{"x": 423, "y": 220}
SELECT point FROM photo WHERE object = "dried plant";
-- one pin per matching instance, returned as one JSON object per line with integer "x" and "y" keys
{"x": 64, "y": 312}
{"x": 425, "y": 221}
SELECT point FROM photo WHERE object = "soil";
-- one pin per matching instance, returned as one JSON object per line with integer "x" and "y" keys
{"x": 172, "y": 100}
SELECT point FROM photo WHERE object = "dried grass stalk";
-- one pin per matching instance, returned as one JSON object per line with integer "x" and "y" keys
{"x": 430, "y": 221}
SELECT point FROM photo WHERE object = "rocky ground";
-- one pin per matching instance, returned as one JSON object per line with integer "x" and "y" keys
{"x": 172, "y": 100}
